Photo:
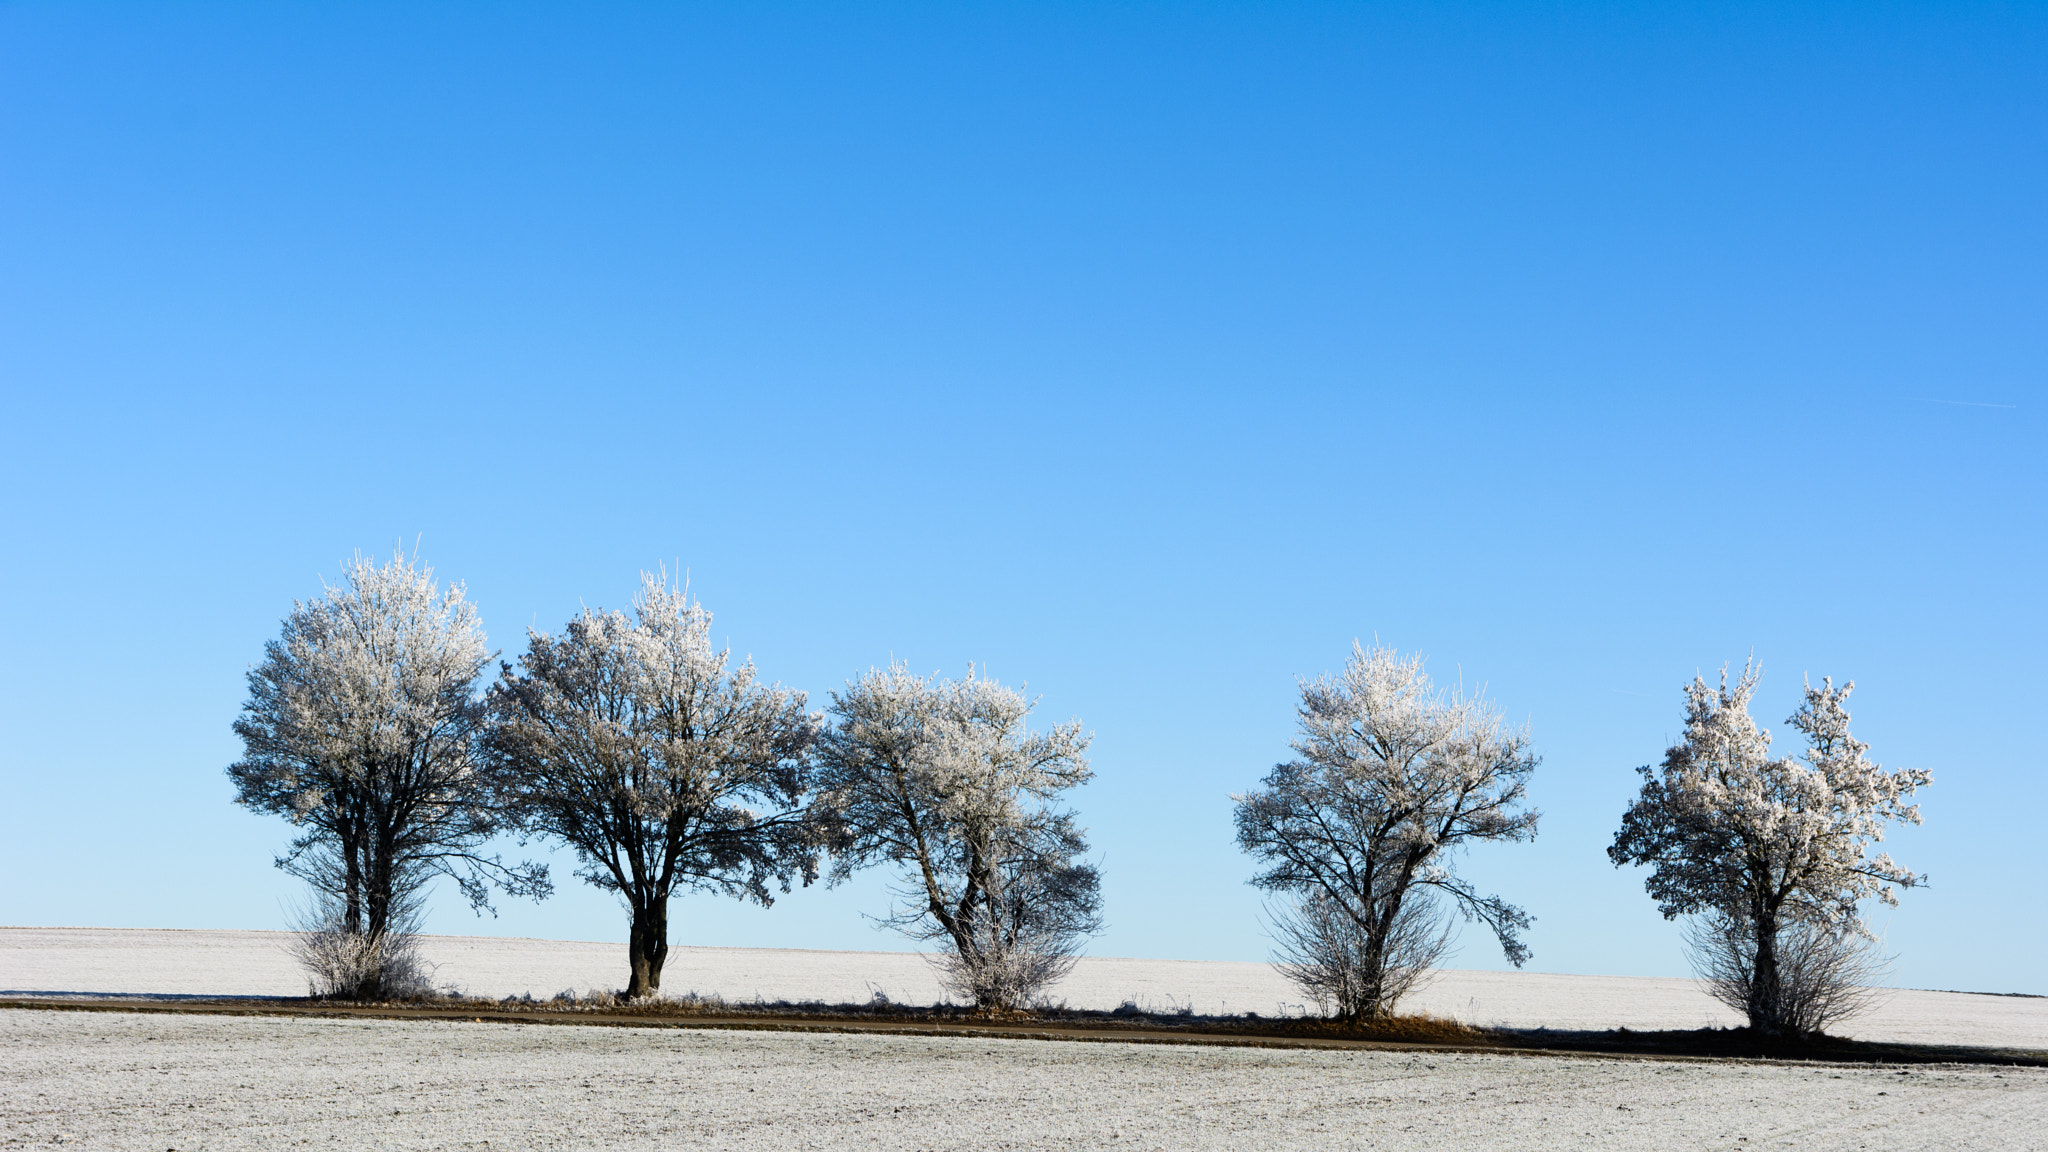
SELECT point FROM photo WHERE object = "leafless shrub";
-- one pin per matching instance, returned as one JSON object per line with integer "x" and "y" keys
{"x": 1329, "y": 954}
{"x": 341, "y": 964}
{"x": 1825, "y": 973}
{"x": 1000, "y": 974}
{"x": 1025, "y": 935}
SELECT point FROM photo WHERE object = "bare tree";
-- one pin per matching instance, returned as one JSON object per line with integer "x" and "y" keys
{"x": 945, "y": 779}
{"x": 359, "y": 729}
{"x": 1770, "y": 849}
{"x": 1391, "y": 778}
{"x": 630, "y": 741}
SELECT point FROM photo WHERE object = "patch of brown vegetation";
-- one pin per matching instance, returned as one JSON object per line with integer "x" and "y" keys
{"x": 1420, "y": 1028}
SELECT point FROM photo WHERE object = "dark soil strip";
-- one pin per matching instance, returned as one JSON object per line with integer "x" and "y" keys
{"x": 1712, "y": 1043}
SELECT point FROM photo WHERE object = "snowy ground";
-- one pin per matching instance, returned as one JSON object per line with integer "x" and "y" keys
{"x": 130, "y": 1080}
{"x": 195, "y": 963}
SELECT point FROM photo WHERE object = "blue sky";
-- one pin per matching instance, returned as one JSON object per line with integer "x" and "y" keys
{"x": 1146, "y": 354}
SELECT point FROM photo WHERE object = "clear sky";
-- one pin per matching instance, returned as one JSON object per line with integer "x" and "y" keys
{"x": 1147, "y": 354}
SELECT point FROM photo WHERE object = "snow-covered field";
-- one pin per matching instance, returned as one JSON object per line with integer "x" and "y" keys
{"x": 127, "y": 1080}
{"x": 109, "y": 961}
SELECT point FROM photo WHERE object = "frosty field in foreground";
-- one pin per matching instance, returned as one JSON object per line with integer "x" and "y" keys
{"x": 202, "y": 963}
{"x": 122, "y": 1080}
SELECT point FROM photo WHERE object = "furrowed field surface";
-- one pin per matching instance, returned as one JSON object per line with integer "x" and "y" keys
{"x": 122, "y": 1080}
{"x": 101, "y": 961}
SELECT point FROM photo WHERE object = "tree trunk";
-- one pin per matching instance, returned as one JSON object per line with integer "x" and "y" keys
{"x": 1766, "y": 988}
{"x": 1372, "y": 976}
{"x": 352, "y": 898}
{"x": 1374, "y": 1000}
{"x": 961, "y": 922}
{"x": 377, "y": 892}
{"x": 647, "y": 948}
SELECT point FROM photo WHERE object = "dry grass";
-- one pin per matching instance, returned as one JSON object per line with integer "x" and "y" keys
{"x": 1418, "y": 1028}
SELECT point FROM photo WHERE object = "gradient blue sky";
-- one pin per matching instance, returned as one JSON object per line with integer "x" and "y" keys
{"x": 1147, "y": 354}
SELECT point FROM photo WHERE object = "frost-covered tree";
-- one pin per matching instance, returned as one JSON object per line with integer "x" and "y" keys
{"x": 944, "y": 779}
{"x": 1391, "y": 778}
{"x": 359, "y": 728}
{"x": 633, "y": 742}
{"x": 1775, "y": 853}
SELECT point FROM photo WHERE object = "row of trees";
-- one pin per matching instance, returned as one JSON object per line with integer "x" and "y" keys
{"x": 636, "y": 743}
{"x": 1768, "y": 856}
